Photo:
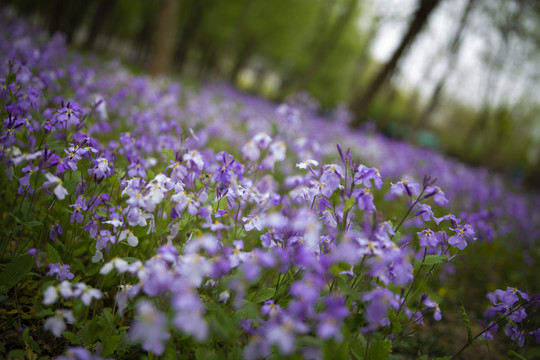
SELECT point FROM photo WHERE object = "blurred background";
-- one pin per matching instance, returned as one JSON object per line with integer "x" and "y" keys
{"x": 460, "y": 76}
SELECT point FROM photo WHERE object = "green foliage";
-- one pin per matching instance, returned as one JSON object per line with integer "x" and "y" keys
{"x": 379, "y": 350}
{"x": 16, "y": 271}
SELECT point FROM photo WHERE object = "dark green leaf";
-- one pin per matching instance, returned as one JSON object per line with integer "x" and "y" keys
{"x": 16, "y": 353}
{"x": 394, "y": 321}
{"x": 513, "y": 354}
{"x": 379, "y": 350}
{"x": 53, "y": 254}
{"x": 435, "y": 259}
{"x": 110, "y": 344}
{"x": 10, "y": 79}
{"x": 31, "y": 342}
{"x": 262, "y": 295}
{"x": 206, "y": 354}
{"x": 16, "y": 270}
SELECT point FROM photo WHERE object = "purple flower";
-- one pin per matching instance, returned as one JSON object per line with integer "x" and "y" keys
{"x": 150, "y": 328}
{"x": 331, "y": 176}
{"x": 365, "y": 175}
{"x": 380, "y": 300}
{"x": 61, "y": 271}
{"x": 438, "y": 195}
{"x": 515, "y": 334}
{"x": 427, "y": 238}
{"x": 430, "y": 304}
{"x": 463, "y": 234}
{"x": 364, "y": 200}
{"x": 80, "y": 204}
{"x": 536, "y": 334}
{"x": 70, "y": 113}
{"x": 55, "y": 230}
{"x": 405, "y": 187}
{"x": 102, "y": 168}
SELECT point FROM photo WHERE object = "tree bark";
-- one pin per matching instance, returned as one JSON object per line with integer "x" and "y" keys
{"x": 421, "y": 16}
{"x": 164, "y": 34}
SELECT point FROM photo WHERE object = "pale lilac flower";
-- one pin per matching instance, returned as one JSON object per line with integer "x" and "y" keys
{"x": 50, "y": 295}
{"x": 119, "y": 264}
{"x": 250, "y": 151}
{"x": 57, "y": 323}
{"x": 150, "y": 328}
{"x": 309, "y": 163}
{"x": 59, "y": 190}
{"x": 61, "y": 271}
{"x": 252, "y": 222}
{"x": 80, "y": 205}
{"x": 132, "y": 240}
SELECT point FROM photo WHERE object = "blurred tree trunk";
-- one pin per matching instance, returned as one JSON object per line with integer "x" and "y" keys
{"x": 193, "y": 21}
{"x": 453, "y": 52}
{"x": 164, "y": 34}
{"x": 100, "y": 16}
{"x": 360, "y": 105}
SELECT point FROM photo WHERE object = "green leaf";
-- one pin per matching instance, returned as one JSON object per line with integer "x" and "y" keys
{"x": 379, "y": 350}
{"x": 346, "y": 289}
{"x": 110, "y": 344}
{"x": 349, "y": 203}
{"x": 16, "y": 353}
{"x": 16, "y": 270}
{"x": 467, "y": 323}
{"x": 53, "y": 254}
{"x": 71, "y": 337}
{"x": 513, "y": 354}
{"x": 394, "y": 322}
{"x": 31, "y": 342}
{"x": 431, "y": 260}
{"x": 206, "y": 354}
{"x": 10, "y": 79}
{"x": 435, "y": 259}
{"x": 441, "y": 358}
{"x": 33, "y": 223}
{"x": 262, "y": 295}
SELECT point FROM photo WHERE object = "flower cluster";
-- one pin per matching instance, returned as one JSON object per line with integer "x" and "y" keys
{"x": 232, "y": 223}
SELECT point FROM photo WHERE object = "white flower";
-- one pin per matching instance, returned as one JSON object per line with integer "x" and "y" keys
{"x": 65, "y": 289}
{"x": 56, "y": 324}
{"x": 250, "y": 151}
{"x": 262, "y": 140}
{"x": 309, "y": 162}
{"x": 59, "y": 190}
{"x": 120, "y": 265}
{"x": 50, "y": 295}
{"x": 97, "y": 257}
{"x": 224, "y": 296}
{"x": 132, "y": 240}
{"x": 278, "y": 150}
{"x": 90, "y": 293}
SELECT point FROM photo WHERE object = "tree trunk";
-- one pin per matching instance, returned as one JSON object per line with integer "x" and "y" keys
{"x": 100, "y": 15}
{"x": 165, "y": 29}
{"x": 188, "y": 33}
{"x": 421, "y": 16}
